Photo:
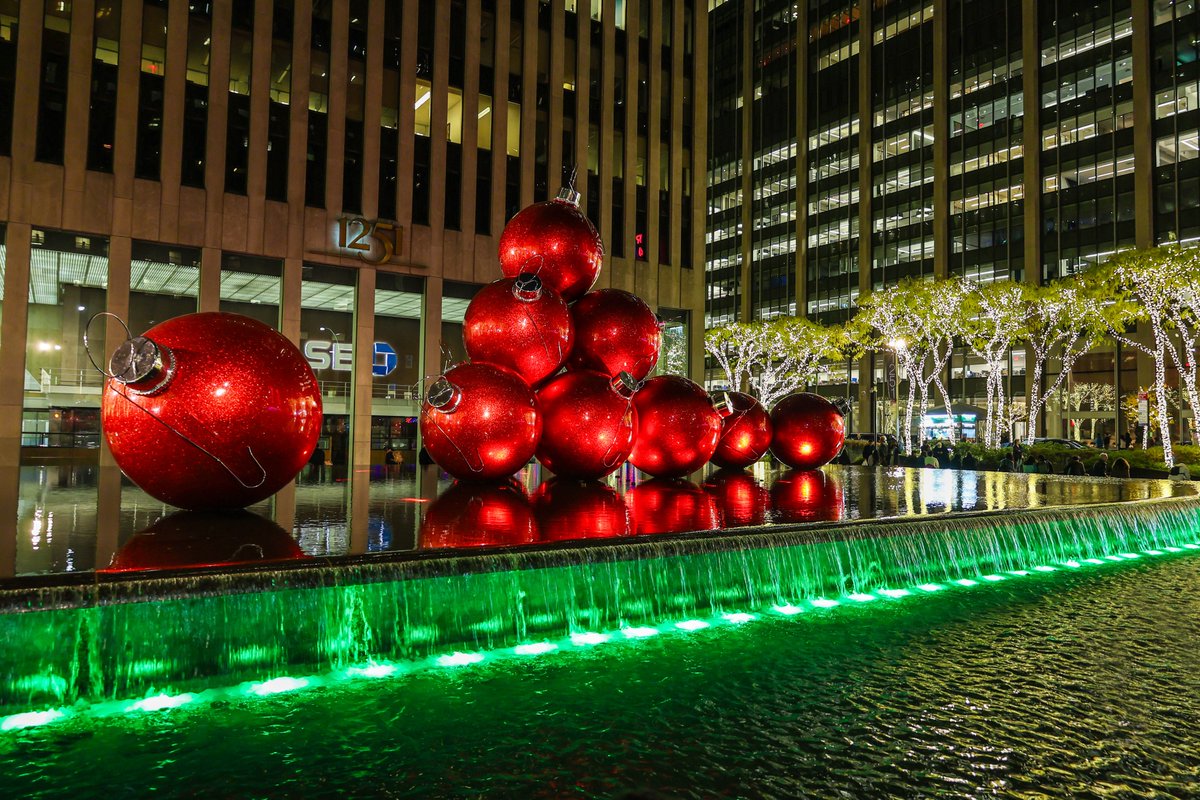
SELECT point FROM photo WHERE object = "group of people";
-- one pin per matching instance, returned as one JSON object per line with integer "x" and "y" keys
{"x": 939, "y": 455}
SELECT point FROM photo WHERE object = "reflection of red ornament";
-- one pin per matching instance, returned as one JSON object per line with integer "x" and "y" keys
{"x": 555, "y": 240}
{"x": 808, "y": 430}
{"x": 519, "y": 324}
{"x": 614, "y": 331}
{"x": 211, "y": 411}
{"x": 479, "y": 515}
{"x": 677, "y": 427}
{"x": 587, "y": 424}
{"x": 188, "y": 539}
{"x": 742, "y": 499}
{"x": 671, "y": 506}
{"x": 745, "y": 432}
{"x": 807, "y": 496}
{"x": 569, "y": 509}
{"x": 480, "y": 422}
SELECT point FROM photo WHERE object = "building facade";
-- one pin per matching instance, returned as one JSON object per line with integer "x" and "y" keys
{"x": 856, "y": 143}
{"x": 339, "y": 170}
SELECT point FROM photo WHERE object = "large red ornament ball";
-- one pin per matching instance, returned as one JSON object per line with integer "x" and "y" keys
{"x": 745, "y": 431}
{"x": 808, "y": 430}
{"x": 555, "y": 240}
{"x": 615, "y": 331}
{"x": 479, "y": 515}
{"x": 520, "y": 324}
{"x": 480, "y": 422}
{"x": 677, "y": 427}
{"x": 568, "y": 509}
{"x": 743, "y": 501}
{"x": 211, "y": 411}
{"x": 671, "y": 505}
{"x": 196, "y": 539}
{"x": 588, "y": 424}
{"x": 807, "y": 496}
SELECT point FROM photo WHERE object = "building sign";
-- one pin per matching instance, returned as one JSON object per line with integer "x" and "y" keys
{"x": 1143, "y": 408}
{"x": 339, "y": 357}
{"x": 372, "y": 241}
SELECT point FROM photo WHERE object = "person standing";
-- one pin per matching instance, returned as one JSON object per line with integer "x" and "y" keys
{"x": 1100, "y": 466}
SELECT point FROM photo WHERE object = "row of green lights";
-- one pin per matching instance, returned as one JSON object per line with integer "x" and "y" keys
{"x": 575, "y": 641}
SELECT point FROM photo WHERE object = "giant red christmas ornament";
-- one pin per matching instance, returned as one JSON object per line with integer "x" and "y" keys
{"x": 194, "y": 539}
{"x": 569, "y": 509}
{"x": 741, "y": 498}
{"x": 587, "y": 423}
{"x": 808, "y": 430}
{"x": 210, "y": 411}
{"x": 745, "y": 431}
{"x": 520, "y": 324}
{"x": 671, "y": 506}
{"x": 479, "y": 515}
{"x": 614, "y": 331}
{"x": 807, "y": 496}
{"x": 480, "y": 422}
{"x": 557, "y": 242}
{"x": 677, "y": 427}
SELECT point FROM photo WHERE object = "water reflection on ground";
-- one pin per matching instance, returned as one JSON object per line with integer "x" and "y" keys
{"x": 65, "y": 525}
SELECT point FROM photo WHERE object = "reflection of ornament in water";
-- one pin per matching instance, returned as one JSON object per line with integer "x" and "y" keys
{"x": 480, "y": 422}
{"x": 671, "y": 505}
{"x": 615, "y": 331}
{"x": 677, "y": 427}
{"x": 807, "y": 496}
{"x": 572, "y": 509}
{"x": 745, "y": 431}
{"x": 809, "y": 431}
{"x": 189, "y": 539}
{"x": 478, "y": 515}
{"x": 742, "y": 499}
{"x": 519, "y": 324}
{"x": 211, "y": 411}
{"x": 588, "y": 424}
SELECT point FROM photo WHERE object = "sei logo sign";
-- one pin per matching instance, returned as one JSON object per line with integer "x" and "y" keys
{"x": 339, "y": 356}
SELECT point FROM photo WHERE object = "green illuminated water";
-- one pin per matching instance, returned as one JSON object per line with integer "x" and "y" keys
{"x": 1074, "y": 683}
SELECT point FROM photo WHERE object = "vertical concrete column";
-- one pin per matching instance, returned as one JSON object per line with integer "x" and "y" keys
{"x": 108, "y": 501}
{"x": 558, "y": 43}
{"x": 800, "y": 77}
{"x": 608, "y": 71}
{"x": 646, "y": 278}
{"x": 407, "y": 114}
{"x": 1143, "y": 125}
{"x": 865, "y": 23}
{"x": 431, "y": 330}
{"x": 500, "y": 118}
{"x": 746, "y": 285}
{"x": 583, "y": 94}
{"x": 438, "y": 116}
{"x": 675, "y": 142}
{"x": 210, "y": 279}
{"x": 172, "y": 124}
{"x": 335, "y": 137}
{"x": 470, "y": 130}
{"x": 298, "y": 126}
{"x": 941, "y": 139}
{"x": 529, "y": 65}
{"x": 360, "y": 408}
{"x": 289, "y": 325}
{"x": 260, "y": 115}
{"x": 1031, "y": 139}
{"x": 372, "y": 105}
{"x": 623, "y": 271}
{"x": 25, "y": 96}
{"x": 79, "y": 87}
{"x": 13, "y": 335}
{"x": 218, "y": 111}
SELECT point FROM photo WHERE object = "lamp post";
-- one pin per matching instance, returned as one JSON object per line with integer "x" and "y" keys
{"x": 897, "y": 346}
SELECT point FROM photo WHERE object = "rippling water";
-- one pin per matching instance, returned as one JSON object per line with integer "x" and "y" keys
{"x": 1072, "y": 684}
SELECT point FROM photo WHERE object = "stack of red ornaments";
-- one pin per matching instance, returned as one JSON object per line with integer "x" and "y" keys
{"x": 559, "y": 372}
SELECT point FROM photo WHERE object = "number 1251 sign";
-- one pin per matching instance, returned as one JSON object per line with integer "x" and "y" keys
{"x": 373, "y": 241}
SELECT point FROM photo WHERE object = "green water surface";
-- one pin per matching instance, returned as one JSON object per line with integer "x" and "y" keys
{"x": 1070, "y": 684}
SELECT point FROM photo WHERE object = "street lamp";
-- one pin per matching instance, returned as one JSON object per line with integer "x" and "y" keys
{"x": 337, "y": 337}
{"x": 897, "y": 346}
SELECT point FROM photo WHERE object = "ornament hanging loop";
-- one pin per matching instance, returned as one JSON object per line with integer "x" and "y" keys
{"x": 87, "y": 348}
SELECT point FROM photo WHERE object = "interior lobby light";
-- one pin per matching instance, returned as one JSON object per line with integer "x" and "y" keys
{"x": 422, "y": 100}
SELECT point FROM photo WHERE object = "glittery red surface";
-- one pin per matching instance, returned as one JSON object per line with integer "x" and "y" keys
{"x": 741, "y": 498}
{"x": 671, "y": 505}
{"x": 241, "y": 392}
{"x": 479, "y": 514}
{"x": 494, "y": 429}
{"x": 808, "y": 430}
{"x": 587, "y": 427}
{"x": 572, "y": 509}
{"x": 807, "y": 496}
{"x": 531, "y": 337}
{"x": 677, "y": 427}
{"x": 192, "y": 539}
{"x": 557, "y": 242}
{"x": 615, "y": 330}
{"x": 745, "y": 433}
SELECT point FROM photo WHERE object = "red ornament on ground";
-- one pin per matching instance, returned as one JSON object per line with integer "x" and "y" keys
{"x": 480, "y": 422}
{"x": 210, "y": 411}
{"x": 479, "y": 515}
{"x": 807, "y": 496}
{"x": 196, "y": 539}
{"x": 520, "y": 324}
{"x": 808, "y": 430}
{"x": 588, "y": 423}
{"x": 677, "y": 427}
{"x": 557, "y": 242}
{"x": 745, "y": 431}
{"x": 741, "y": 498}
{"x": 615, "y": 331}
{"x": 671, "y": 505}
{"x": 568, "y": 509}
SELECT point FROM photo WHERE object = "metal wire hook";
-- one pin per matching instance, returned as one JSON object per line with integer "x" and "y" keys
{"x": 87, "y": 348}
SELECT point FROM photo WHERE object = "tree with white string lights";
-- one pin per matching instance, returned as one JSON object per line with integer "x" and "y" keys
{"x": 1185, "y": 318}
{"x": 772, "y": 358}
{"x": 995, "y": 316}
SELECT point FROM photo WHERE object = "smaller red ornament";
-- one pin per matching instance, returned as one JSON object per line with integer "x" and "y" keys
{"x": 197, "y": 539}
{"x": 520, "y": 324}
{"x": 557, "y": 242}
{"x": 743, "y": 501}
{"x": 671, "y": 505}
{"x": 480, "y": 422}
{"x": 745, "y": 431}
{"x": 588, "y": 423}
{"x": 807, "y": 496}
{"x": 479, "y": 515}
{"x": 677, "y": 427}
{"x": 615, "y": 331}
{"x": 808, "y": 430}
{"x": 568, "y": 509}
